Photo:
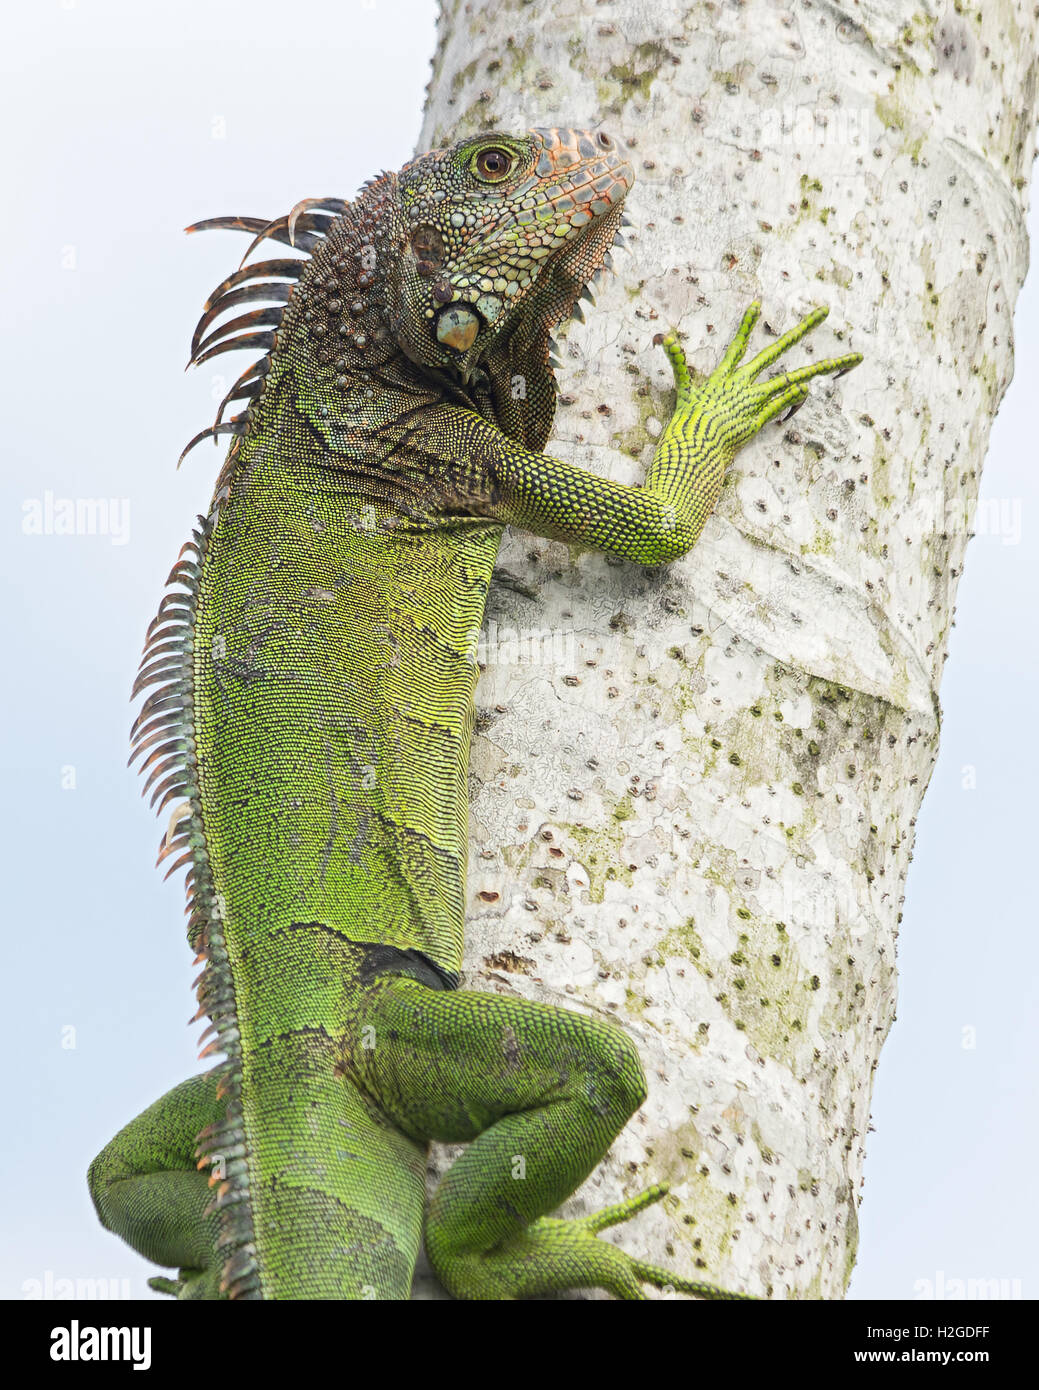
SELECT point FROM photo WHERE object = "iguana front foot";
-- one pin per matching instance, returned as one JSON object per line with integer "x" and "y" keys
{"x": 718, "y": 414}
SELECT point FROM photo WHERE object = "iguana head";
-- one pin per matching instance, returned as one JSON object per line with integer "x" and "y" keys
{"x": 497, "y": 232}
{"x": 466, "y": 259}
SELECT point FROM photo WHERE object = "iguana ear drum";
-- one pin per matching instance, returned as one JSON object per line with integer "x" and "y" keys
{"x": 427, "y": 247}
{"x": 457, "y": 327}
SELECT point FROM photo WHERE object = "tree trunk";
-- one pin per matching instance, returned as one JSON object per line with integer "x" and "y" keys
{"x": 694, "y": 788}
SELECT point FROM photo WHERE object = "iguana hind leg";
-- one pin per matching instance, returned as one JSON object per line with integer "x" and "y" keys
{"x": 147, "y": 1188}
{"x": 540, "y": 1093}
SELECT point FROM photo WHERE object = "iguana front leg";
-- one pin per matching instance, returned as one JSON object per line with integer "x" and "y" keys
{"x": 663, "y": 518}
{"x": 539, "y": 1093}
{"x": 147, "y": 1188}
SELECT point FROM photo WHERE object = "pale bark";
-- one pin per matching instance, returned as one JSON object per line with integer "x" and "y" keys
{"x": 697, "y": 818}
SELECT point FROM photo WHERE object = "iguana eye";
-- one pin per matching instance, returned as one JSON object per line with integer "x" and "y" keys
{"x": 493, "y": 165}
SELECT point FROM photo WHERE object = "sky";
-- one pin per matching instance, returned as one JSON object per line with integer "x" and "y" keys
{"x": 123, "y": 123}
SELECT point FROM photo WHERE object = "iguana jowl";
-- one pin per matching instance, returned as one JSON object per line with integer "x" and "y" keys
{"x": 314, "y": 674}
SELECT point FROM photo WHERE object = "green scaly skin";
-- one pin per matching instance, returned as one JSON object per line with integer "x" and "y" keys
{"x": 314, "y": 672}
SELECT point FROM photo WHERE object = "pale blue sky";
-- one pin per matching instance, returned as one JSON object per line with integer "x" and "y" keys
{"x": 123, "y": 122}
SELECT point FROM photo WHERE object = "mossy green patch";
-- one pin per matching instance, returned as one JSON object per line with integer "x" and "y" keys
{"x": 762, "y": 986}
{"x": 600, "y": 851}
{"x": 633, "y": 78}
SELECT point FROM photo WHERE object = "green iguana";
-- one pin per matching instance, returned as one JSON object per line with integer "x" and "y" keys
{"x": 315, "y": 672}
